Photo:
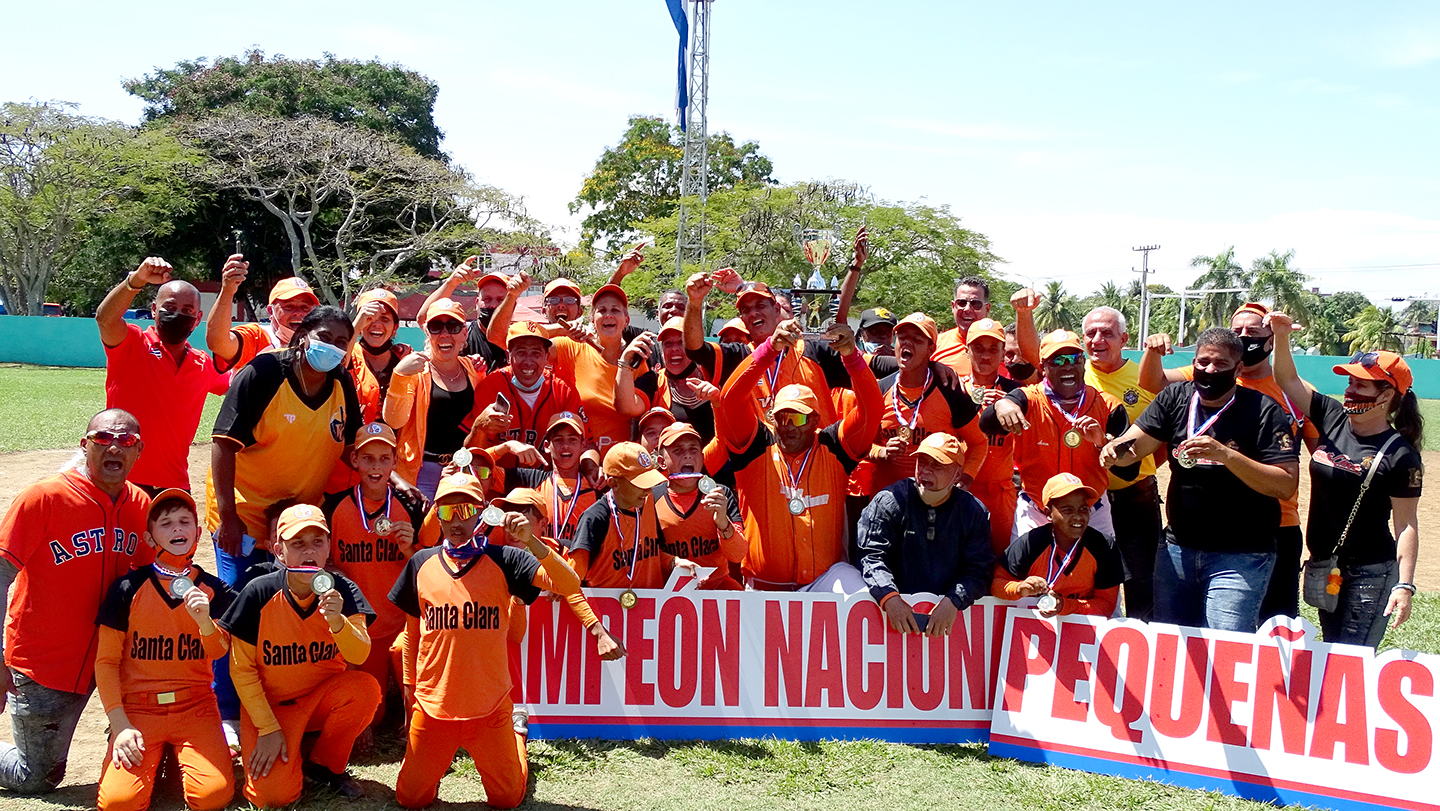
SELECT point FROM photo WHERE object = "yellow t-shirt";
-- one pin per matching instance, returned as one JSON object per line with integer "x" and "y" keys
{"x": 1124, "y": 385}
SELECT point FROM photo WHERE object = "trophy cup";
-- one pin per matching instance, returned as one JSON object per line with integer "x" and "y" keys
{"x": 815, "y": 303}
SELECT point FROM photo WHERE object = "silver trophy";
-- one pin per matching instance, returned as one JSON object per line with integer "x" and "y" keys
{"x": 814, "y": 300}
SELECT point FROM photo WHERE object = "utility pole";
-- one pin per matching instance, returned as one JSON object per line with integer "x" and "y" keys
{"x": 1144, "y": 290}
{"x": 690, "y": 231}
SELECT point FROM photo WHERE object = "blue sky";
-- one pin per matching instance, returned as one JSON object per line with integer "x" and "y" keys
{"x": 1067, "y": 133}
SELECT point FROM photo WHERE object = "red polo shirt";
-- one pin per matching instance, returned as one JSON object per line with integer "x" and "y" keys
{"x": 142, "y": 378}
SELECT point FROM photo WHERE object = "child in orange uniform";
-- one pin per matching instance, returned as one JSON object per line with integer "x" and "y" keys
{"x": 457, "y": 597}
{"x": 152, "y": 669}
{"x": 289, "y": 650}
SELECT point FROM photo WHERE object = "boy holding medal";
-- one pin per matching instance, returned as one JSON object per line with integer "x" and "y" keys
{"x": 152, "y": 668}
{"x": 1070, "y": 566}
{"x": 699, "y": 518}
{"x": 292, "y": 634}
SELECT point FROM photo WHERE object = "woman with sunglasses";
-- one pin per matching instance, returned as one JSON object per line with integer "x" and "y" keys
{"x": 1378, "y": 424}
{"x": 431, "y": 394}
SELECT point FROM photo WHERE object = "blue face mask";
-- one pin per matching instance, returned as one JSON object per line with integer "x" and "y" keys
{"x": 323, "y": 357}
{"x": 869, "y": 346}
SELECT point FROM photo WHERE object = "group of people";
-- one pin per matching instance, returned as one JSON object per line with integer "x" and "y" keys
{"x": 381, "y": 515}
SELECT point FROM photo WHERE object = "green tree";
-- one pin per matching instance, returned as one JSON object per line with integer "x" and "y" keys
{"x": 1418, "y": 313}
{"x": 1221, "y": 271}
{"x": 638, "y": 180}
{"x": 1273, "y": 280}
{"x": 1122, "y": 299}
{"x": 67, "y": 179}
{"x": 1374, "y": 329}
{"x": 1343, "y": 306}
{"x": 1057, "y": 310}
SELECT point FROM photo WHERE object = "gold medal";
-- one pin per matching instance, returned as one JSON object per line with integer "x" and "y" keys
{"x": 797, "y": 506}
{"x": 628, "y": 599}
{"x": 181, "y": 585}
{"x": 322, "y": 582}
{"x": 1072, "y": 438}
{"x": 904, "y": 433}
{"x": 383, "y": 527}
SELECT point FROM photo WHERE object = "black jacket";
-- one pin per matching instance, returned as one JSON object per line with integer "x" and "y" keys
{"x": 908, "y": 546}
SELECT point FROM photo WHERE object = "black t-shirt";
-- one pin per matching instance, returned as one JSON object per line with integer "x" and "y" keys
{"x": 1337, "y": 469}
{"x": 1208, "y": 507}
{"x": 701, "y": 414}
{"x": 477, "y": 344}
{"x": 448, "y": 409}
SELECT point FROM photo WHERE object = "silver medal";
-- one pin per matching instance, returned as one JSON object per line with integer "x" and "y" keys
{"x": 706, "y": 485}
{"x": 181, "y": 585}
{"x": 322, "y": 582}
{"x": 493, "y": 516}
{"x": 797, "y": 506}
{"x": 462, "y": 457}
{"x": 977, "y": 396}
{"x": 1186, "y": 460}
{"x": 1048, "y": 603}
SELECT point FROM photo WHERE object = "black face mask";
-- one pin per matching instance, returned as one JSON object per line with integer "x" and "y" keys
{"x": 377, "y": 350}
{"x": 484, "y": 314}
{"x": 1020, "y": 371}
{"x": 174, "y": 327}
{"x": 1254, "y": 350}
{"x": 1214, "y": 385}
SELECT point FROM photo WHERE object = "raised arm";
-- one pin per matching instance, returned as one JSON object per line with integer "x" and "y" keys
{"x": 218, "y": 335}
{"x": 857, "y": 429}
{"x": 1153, "y": 374}
{"x": 628, "y": 401}
{"x": 697, "y": 287}
{"x": 852, "y": 275}
{"x": 1301, "y": 394}
{"x": 111, "y": 315}
{"x": 735, "y": 410}
{"x": 1024, "y": 303}
{"x": 498, "y": 331}
{"x": 465, "y": 273}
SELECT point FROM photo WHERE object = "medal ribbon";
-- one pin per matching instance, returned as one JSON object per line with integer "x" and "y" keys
{"x": 795, "y": 478}
{"x": 302, "y": 569}
{"x": 168, "y": 573}
{"x": 895, "y": 399}
{"x": 773, "y": 374}
{"x": 635, "y": 544}
{"x": 556, "y": 500}
{"x": 1190, "y": 430}
{"x": 471, "y": 548}
{"x": 1294, "y": 414}
{"x": 1051, "y": 575}
{"x": 1079, "y": 409}
{"x": 360, "y": 502}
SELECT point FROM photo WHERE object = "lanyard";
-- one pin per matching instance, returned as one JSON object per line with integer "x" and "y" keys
{"x": 1051, "y": 575}
{"x": 556, "y": 500}
{"x": 635, "y": 544}
{"x": 1294, "y": 415}
{"x": 360, "y": 502}
{"x": 795, "y": 478}
{"x": 164, "y": 572}
{"x": 772, "y": 375}
{"x": 1190, "y": 430}
{"x": 895, "y": 399}
{"x": 1079, "y": 409}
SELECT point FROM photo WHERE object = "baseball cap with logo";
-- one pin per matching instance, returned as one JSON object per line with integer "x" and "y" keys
{"x": 381, "y": 295}
{"x": 569, "y": 418}
{"x": 293, "y": 287}
{"x": 1386, "y": 367}
{"x": 657, "y": 411}
{"x": 796, "y": 397}
{"x": 560, "y": 286}
{"x": 445, "y": 308}
{"x": 922, "y": 322}
{"x": 1063, "y": 484}
{"x": 677, "y": 430}
{"x": 1059, "y": 341}
{"x": 631, "y": 462}
{"x": 462, "y": 483}
{"x": 498, "y": 278}
{"x": 298, "y": 517}
{"x": 375, "y": 432}
{"x": 754, "y": 289}
{"x": 942, "y": 447}
{"x": 985, "y": 328}
{"x": 526, "y": 329}
{"x": 876, "y": 315}
{"x": 522, "y": 498}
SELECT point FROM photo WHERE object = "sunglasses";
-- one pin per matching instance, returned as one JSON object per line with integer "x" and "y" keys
{"x": 1371, "y": 360}
{"x": 553, "y": 300}
{"x": 795, "y": 418}
{"x": 443, "y": 325}
{"x": 456, "y": 512}
{"x": 123, "y": 439}
{"x": 1064, "y": 360}
{"x": 972, "y": 303}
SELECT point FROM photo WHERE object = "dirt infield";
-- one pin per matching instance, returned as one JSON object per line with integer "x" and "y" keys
{"x": 87, "y": 753}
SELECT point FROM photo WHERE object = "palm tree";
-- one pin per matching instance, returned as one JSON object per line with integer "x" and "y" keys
{"x": 1275, "y": 281}
{"x": 1374, "y": 329}
{"x": 1111, "y": 295}
{"x": 1221, "y": 270}
{"x": 1057, "y": 309}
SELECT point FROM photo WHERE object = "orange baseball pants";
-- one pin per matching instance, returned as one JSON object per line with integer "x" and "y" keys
{"x": 499, "y": 756}
{"x": 339, "y": 709}
{"x": 192, "y": 727}
{"x": 999, "y": 497}
{"x": 382, "y": 664}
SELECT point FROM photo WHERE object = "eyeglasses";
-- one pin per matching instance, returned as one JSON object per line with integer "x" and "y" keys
{"x": 795, "y": 418}
{"x": 124, "y": 439}
{"x": 481, "y": 473}
{"x": 456, "y": 512}
{"x": 1064, "y": 360}
{"x": 553, "y": 300}
{"x": 972, "y": 303}
{"x": 449, "y": 325}
{"x": 1371, "y": 360}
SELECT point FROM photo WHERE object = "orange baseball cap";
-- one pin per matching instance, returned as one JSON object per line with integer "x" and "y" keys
{"x": 298, "y": 517}
{"x": 657, "y": 411}
{"x": 569, "y": 418}
{"x": 985, "y": 328}
{"x": 524, "y": 498}
{"x": 1063, "y": 484}
{"x": 942, "y": 447}
{"x": 1058, "y": 341}
{"x": 375, "y": 432}
{"x": 796, "y": 397}
{"x": 676, "y": 324}
{"x": 676, "y": 430}
{"x": 1251, "y": 307}
{"x": 924, "y": 323}
{"x": 755, "y": 289}
{"x": 293, "y": 287}
{"x": 1386, "y": 367}
{"x": 492, "y": 277}
{"x": 737, "y": 325}
{"x": 381, "y": 295}
{"x": 462, "y": 483}
{"x": 526, "y": 329}
{"x": 561, "y": 285}
{"x": 608, "y": 290}
{"x": 445, "y": 308}
{"x": 631, "y": 462}
{"x": 167, "y": 495}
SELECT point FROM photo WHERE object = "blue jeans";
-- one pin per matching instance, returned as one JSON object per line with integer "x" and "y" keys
{"x": 1359, "y": 618}
{"x": 427, "y": 480}
{"x": 231, "y": 569}
{"x": 43, "y": 721}
{"x": 1219, "y": 590}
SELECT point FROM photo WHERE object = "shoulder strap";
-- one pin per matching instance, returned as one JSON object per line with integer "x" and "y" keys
{"x": 1364, "y": 485}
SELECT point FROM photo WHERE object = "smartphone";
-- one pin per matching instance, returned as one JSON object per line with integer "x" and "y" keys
{"x": 502, "y": 404}
{"x": 239, "y": 242}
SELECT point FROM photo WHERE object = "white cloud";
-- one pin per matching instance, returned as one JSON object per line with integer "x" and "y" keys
{"x": 986, "y": 132}
{"x": 1411, "y": 48}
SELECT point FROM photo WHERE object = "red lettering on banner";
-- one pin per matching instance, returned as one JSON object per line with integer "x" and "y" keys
{"x": 720, "y": 649}
{"x": 1418, "y": 736}
{"x": 967, "y": 660}
{"x": 681, "y": 646}
{"x": 1163, "y": 718}
{"x": 1225, "y": 690}
{"x": 1107, "y": 682}
{"x": 782, "y": 653}
{"x": 894, "y": 669}
{"x": 1344, "y": 682}
{"x": 918, "y": 648}
{"x": 864, "y": 681}
{"x": 1021, "y": 665}
{"x": 638, "y": 651}
{"x": 998, "y": 617}
{"x": 553, "y": 644}
{"x": 610, "y": 613}
{"x": 1070, "y": 669}
{"x": 823, "y": 670}
{"x": 1272, "y": 696}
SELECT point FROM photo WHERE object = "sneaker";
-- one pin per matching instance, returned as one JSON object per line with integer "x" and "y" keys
{"x": 342, "y": 783}
{"x": 232, "y": 733}
{"x": 520, "y": 718}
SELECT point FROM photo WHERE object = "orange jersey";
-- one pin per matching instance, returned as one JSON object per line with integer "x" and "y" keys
{"x": 294, "y": 649}
{"x": 625, "y": 549}
{"x": 254, "y": 339}
{"x": 568, "y": 499}
{"x": 527, "y": 422}
{"x": 372, "y": 561}
{"x": 689, "y": 530}
{"x": 922, "y": 410}
{"x": 370, "y": 394}
{"x": 1089, "y": 581}
{"x": 999, "y": 464}
{"x": 792, "y": 366}
{"x": 1289, "y": 507}
{"x": 407, "y": 410}
{"x": 593, "y": 378}
{"x": 1040, "y": 450}
{"x": 950, "y": 350}
{"x": 163, "y": 649}
{"x": 70, "y": 541}
{"x": 461, "y": 609}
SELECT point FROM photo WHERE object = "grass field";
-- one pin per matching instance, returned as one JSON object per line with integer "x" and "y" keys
{"x": 48, "y": 408}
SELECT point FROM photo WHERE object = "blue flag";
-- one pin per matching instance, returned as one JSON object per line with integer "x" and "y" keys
{"x": 682, "y": 25}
